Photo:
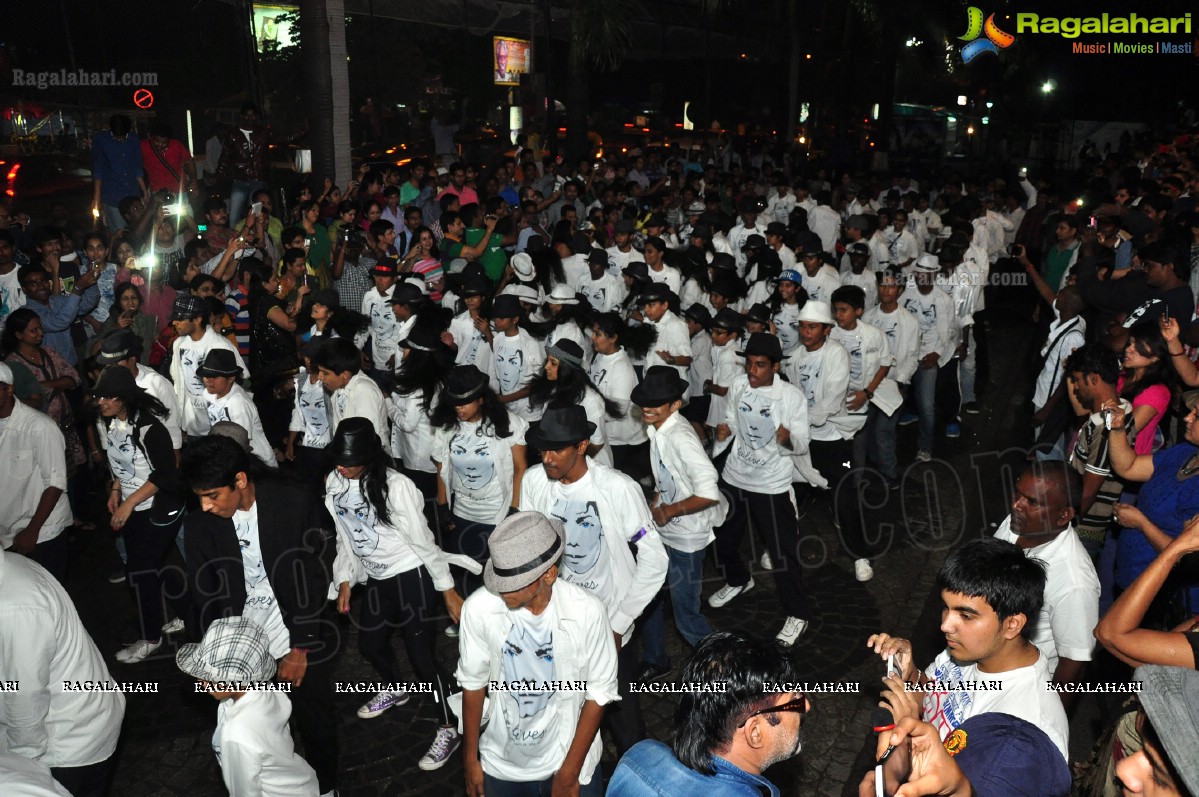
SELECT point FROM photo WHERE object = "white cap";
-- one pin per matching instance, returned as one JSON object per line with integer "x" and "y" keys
{"x": 5, "y": 374}
{"x": 522, "y": 264}
{"x": 928, "y": 263}
{"x": 816, "y": 313}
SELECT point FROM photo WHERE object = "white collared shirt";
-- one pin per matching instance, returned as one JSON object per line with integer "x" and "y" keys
{"x": 681, "y": 470}
{"x": 34, "y": 452}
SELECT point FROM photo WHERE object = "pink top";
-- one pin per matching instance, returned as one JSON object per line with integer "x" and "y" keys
{"x": 1156, "y": 396}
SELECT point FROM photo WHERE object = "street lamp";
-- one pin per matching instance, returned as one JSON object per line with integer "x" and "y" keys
{"x": 1048, "y": 86}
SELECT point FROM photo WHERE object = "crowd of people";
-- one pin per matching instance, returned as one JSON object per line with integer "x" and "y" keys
{"x": 518, "y": 403}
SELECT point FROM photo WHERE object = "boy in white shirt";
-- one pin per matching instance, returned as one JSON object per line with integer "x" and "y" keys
{"x": 673, "y": 345}
{"x": 352, "y": 394}
{"x": 196, "y": 338}
{"x": 902, "y": 332}
{"x": 518, "y": 357}
{"x": 252, "y": 742}
{"x": 699, "y": 373}
{"x": 725, "y": 332}
{"x": 229, "y": 401}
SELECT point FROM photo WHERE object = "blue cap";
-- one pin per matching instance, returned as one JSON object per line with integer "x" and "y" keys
{"x": 1005, "y": 756}
{"x": 790, "y": 275}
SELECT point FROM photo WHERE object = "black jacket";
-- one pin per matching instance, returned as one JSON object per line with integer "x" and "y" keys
{"x": 295, "y": 548}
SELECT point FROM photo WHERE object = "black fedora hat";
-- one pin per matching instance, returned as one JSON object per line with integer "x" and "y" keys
{"x": 117, "y": 345}
{"x": 763, "y": 344}
{"x": 355, "y": 443}
{"x": 723, "y": 261}
{"x": 463, "y": 384}
{"x": 656, "y": 292}
{"x": 699, "y": 314}
{"x": 561, "y": 427}
{"x": 406, "y": 293}
{"x": 219, "y": 362}
{"x": 475, "y": 285}
{"x": 116, "y": 381}
{"x": 505, "y": 306}
{"x": 729, "y": 319}
{"x": 759, "y": 313}
{"x": 661, "y": 385}
{"x": 422, "y": 339}
{"x": 638, "y": 270}
{"x": 386, "y": 267}
{"x": 753, "y": 241}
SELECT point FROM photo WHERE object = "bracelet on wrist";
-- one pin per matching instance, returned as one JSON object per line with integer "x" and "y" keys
{"x": 1177, "y": 353}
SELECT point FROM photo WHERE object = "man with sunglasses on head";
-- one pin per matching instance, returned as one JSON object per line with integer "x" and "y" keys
{"x": 727, "y": 735}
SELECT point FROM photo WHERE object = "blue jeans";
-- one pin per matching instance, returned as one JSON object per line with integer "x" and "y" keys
{"x": 924, "y": 394}
{"x": 239, "y": 198}
{"x": 876, "y": 443}
{"x": 494, "y": 787}
{"x": 684, "y": 578}
{"x": 113, "y": 219}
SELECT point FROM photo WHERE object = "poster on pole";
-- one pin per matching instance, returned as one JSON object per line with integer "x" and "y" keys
{"x": 273, "y": 25}
{"x": 510, "y": 59}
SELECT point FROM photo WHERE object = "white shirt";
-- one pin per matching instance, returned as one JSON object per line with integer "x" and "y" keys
{"x": 477, "y": 468}
{"x": 825, "y": 222}
{"x": 42, "y": 644}
{"x": 310, "y": 412}
{"x": 261, "y": 605}
{"x": 821, "y": 286}
{"x": 186, "y": 356}
{"x": 604, "y": 294}
{"x": 583, "y": 650}
{"x": 517, "y": 359}
{"x": 823, "y": 376}
{"x": 603, "y": 512}
{"x": 593, "y": 404}
{"x": 786, "y": 321}
{"x": 617, "y": 260}
{"x": 1022, "y": 694}
{"x": 673, "y": 338}
{"x": 384, "y": 328}
{"x": 756, "y": 461}
{"x": 161, "y": 388}
{"x": 681, "y": 470}
{"x": 935, "y": 314}
{"x": 24, "y": 777}
{"x": 411, "y": 431}
{"x": 668, "y": 275}
{"x": 868, "y": 351}
{"x": 238, "y": 406}
{"x": 700, "y": 370}
{"x": 866, "y": 281}
{"x": 361, "y": 398}
{"x": 614, "y": 377}
{"x": 368, "y": 548}
{"x": 1064, "y": 338}
{"x": 34, "y": 453}
{"x": 1066, "y": 625}
{"x": 902, "y": 331}
{"x": 740, "y": 234}
{"x": 902, "y": 246}
{"x": 12, "y": 296}
{"x": 473, "y": 348}
{"x": 128, "y": 461}
{"x": 726, "y": 366}
{"x": 253, "y": 745}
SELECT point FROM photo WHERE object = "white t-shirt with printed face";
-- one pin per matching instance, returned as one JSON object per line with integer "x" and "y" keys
{"x": 755, "y": 457}
{"x": 312, "y": 402}
{"x": 586, "y": 561}
{"x": 382, "y": 555}
{"x": 530, "y": 723}
{"x": 478, "y": 491}
{"x": 786, "y": 320}
{"x": 12, "y": 296}
{"x": 261, "y": 605}
{"x": 129, "y": 464}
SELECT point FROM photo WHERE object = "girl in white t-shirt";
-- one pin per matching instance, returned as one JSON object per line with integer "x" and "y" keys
{"x": 564, "y": 380}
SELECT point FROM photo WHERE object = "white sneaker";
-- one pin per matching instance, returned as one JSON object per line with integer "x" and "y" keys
{"x": 862, "y": 570}
{"x": 444, "y": 744}
{"x": 793, "y": 629}
{"x": 726, "y": 593}
{"x": 173, "y": 626}
{"x": 452, "y": 631}
{"x": 924, "y": 455}
{"x": 381, "y": 702}
{"x": 765, "y": 561}
{"x": 137, "y": 651}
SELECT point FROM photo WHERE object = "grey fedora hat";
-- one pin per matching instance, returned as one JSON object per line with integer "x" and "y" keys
{"x": 522, "y": 547}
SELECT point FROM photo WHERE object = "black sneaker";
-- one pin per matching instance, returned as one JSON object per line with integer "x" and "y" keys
{"x": 117, "y": 576}
{"x": 649, "y": 673}
{"x": 971, "y": 408}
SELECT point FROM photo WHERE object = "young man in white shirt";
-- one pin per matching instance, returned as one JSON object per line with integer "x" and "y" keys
{"x": 376, "y": 306}
{"x": 934, "y": 311}
{"x": 605, "y": 290}
{"x": 123, "y": 347}
{"x": 992, "y": 594}
{"x": 518, "y": 357}
{"x": 725, "y": 330}
{"x": 859, "y": 275}
{"x": 673, "y": 344}
{"x": 751, "y": 222}
{"x": 687, "y": 504}
{"x": 699, "y": 373}
{"x": 44, "y": 648}
{"x": 352, "y": 394}
{"x": 902, "y": 332}
{"x": 35, "y": 509}
{"x": 621, "y": 253}
{"x": 819, "y": 278}
{"x": 189, "y": 317}
{"x": 604, "y": 512}
{"x": 776, "y": 232}
{"x": 529, "y": 627}
{"x": 900, "y": 242}
{"x": 229, "y": 401}
{"x": 1042, "y": 525}
{"x": 767, "y": 420}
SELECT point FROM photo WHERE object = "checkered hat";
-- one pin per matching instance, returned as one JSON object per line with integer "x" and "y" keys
{"x": 233, "y": 649}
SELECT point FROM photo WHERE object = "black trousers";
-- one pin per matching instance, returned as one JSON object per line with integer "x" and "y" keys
{"x": 53, "y": 554}
{"x": 148, "y": 547}
{"x": 470, "y": 539}
{"x": 312, "y": 465}
{"x": 88, "y": 781}
{"x": 773, "y": 518}
{"x": 632, "y": 461}
{"x": 314, "y": 716}
{"x": 833, "y": 459}
{"x": 406, "y": 601}
{"x": 623, "y": 719}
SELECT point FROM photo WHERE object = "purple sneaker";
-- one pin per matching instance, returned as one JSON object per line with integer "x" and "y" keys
{"x": 381, "y": 702}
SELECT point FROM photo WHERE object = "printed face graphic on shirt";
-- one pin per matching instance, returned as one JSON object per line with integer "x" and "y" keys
{"x": 470, "y": 456}
{"x": 189, "y": 361}
{"x": 312, "y": 408}
{"x": 528, "y": 658}
{"x": 122, "y": 461}
{"x": 853, "y": 345}
{"x": 668, "y": 488}
{"x": 754, "y": 419}
{"x": 383, "y": 322}
{"x": 598, "y": 296}
{"x": 217, "y": 414}
{"x": 254, "y": 570}
{"x": 788, "y": 327}
{"x": 809, "y": 372}
{"x": 584, "y": 534}
{"x": 509, "y": 367}
{"x": 597, "y": 376}
{"x": 926, "y": 315}
{"x": 358, "y": 516}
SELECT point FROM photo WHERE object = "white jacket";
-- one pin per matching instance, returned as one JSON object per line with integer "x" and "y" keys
{"x": 682, "y": 454}
{"x": 583, "y": 651}
{"x": 625, "y": 515}
{"x": 411, "y": 432}
{"x": 902, "y": 331}
{"x": 823, "y": 377}
{"x": 361, "y": 398}
{"x": 34, "y": 451}
{"x": 186, "y": 357}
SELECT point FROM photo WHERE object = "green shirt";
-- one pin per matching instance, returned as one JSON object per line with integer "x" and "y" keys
{"x": 494, "y": 258}
{"x": 1056, "y": 262}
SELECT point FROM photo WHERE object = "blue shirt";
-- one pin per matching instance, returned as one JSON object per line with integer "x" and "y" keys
{"x": 649, "y": 769}
{"x": 58, "y": 316}
{"x": 1166, "y": 502}
{"x": 117, "y": 165}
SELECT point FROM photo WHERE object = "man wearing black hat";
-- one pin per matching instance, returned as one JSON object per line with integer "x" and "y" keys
{"x": 527, "y": 628}
{"x": 751, "y": 222}
{"x": 604, "y": 289}
{"x": 767, "y": 421}
{"x": 725, "y": 332}
{"x": 857, "y": 255}
{"x": 673, "y": 345}
{"x": 776, "y": 233}
{"x": 470, "y": 331}
{"x": 229, "y": 401}
{"x": 376, "y": 305}
{"x": 605, "y": 514}
{"x": 819, "y": 278}
{"x": 254, "y": 550}
{"x": 699, "y": 373}
{"x": 195, "y": 339}
{"x": 518, "y": 357}
{"x": 123, "y": 347}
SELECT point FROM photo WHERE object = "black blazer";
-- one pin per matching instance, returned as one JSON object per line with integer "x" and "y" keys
{"x": 295, "y": 545}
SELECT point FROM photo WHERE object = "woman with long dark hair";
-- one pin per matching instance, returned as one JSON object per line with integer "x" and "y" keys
{"x": 697, "y": 279}
{"x": 384, "y": 542}
{"x": 127, "y": 313}
{"x": 570, "y": 319}
{"x": 479, "y": 448}
{"x": 612, "y": 374}
{"x": 470, "y": 329}
{"x": 564, "y": 380}
{"x": 1148, "y": 382}
{"x": 330, "y": 320}
{"x": 547, "y": 268}
{"x": 143, "y": 500}
{"x": 22, "y": 343}
{"x": 785, "y": 303}
{"x": 410, "y": 407}
{"x": 272, "y": 324}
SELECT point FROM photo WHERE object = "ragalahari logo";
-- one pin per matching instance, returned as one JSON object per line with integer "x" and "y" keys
{"x": 995, "y": 40}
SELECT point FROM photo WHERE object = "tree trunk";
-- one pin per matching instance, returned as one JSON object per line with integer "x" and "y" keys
{"x": 316, "y": 73}
{"x": 793, "y": 70}
{"x": 577, "y": 145}
{"x": 886, "y": 102}
{"x": 339, "y": 84}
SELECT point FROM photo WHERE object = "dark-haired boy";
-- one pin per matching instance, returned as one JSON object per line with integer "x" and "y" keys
{"x": 352, "y": 394}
